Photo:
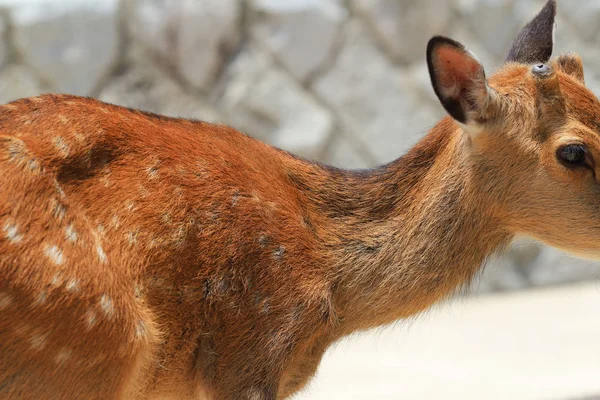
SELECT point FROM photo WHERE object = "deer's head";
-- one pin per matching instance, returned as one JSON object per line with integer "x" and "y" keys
{"x": 531, "y": 135}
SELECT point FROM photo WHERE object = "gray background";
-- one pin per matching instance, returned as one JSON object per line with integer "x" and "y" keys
{"x": 339, "y": 81}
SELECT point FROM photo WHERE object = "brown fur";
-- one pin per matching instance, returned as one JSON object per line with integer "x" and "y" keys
{"x": 143, "y": 256}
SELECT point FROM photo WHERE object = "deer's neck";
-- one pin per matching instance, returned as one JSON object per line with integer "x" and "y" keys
{"x": 405, "y": 235}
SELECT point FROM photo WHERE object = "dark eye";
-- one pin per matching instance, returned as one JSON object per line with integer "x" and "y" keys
{"x": 572, "y": 155}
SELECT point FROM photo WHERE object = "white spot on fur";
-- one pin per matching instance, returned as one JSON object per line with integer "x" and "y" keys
{"x": 72, "y": 285}
{"x": 5, "y": 300}
{"x": 115, "y": 222}
{"x": 59, "y": 210}
{"x": 54, "y": 254}
{"x": 132, "y": 237}
{"x": 143, "y": 191}
{"x": 234, "y": 199}
{"x": 37, "y": 341}
{"x": 56, "y": 280}
{"x": 202, "y": 170}
{"x": 90, "y": 317}
{"x": 61, "y": 146}
{"x": 107, "y": 305}
{"x": 22, "y": 328}
{"x": 166, "y": 218}
{"x": 79, "y": 138}
{"x": 263, "y": 240}
{"x": 105, "y": 179}
{"x": 279, "y": 252}
{"x": 179, "y": 235}
{"x": 16, "y": 150}
{"x": 41, "y": 298}
{"x": 25, "y": 119}
{"x": 63, "y": 355}
{"x": 152, "y": 171}
{"x": 12, "y": 233}
{"x": 70, "y": 233}
{"x": 130, "y": 205}
{"x": 141, "y": 330}
{"x": 33, "y": 165}
{"x": 101, "y": 254}
{"x": 254, "y": 394}
{"x": 59, "y": 189}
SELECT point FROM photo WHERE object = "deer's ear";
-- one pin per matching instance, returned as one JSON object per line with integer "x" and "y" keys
{"x": 458, "y": 79}
{"x": 535, "y": 41}
{"x": 571, "y": 64}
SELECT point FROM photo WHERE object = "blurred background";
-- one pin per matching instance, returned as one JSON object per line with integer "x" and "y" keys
{"x": 343, "y": 82}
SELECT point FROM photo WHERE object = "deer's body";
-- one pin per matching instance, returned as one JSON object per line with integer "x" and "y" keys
{"x": 150, "y": 257}
{"x": 204, "y": 261}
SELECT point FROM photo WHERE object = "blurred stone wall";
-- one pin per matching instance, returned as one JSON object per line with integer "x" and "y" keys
{"x": 340, "y": 81}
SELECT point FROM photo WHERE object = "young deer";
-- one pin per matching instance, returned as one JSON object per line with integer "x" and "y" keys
{"x": 146, "y": 257}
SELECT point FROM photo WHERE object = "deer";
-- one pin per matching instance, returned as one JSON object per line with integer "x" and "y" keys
{"x": 150, "y": 257}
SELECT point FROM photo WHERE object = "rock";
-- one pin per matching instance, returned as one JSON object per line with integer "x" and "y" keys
{"x": 374, "y": 100}
{"x": 555, "y": 267}
{"x": 17, "y": 82}
{"x": 584, "y": 14}
{"x": 301, "y": 34}
{"x": 463, "y": 34}
{"x": 145, "y": 87}
{"x": 499, "y": 274}
{"x": 404, "y": 27}
{"x": 343, "y": 154}
{"x": 263, "y": 101}
{"x": 195, "y": 36}
{"x": 496, "y": 24}
{"x": 71, "y": 43}
{"x": 3, "y": 45}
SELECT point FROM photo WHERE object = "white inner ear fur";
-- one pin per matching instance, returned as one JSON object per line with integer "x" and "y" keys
{"x": 482, "y": 98}
{"x": 472, "y": 129}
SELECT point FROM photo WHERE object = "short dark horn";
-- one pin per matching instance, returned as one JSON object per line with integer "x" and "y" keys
{"x": 535, "y": 41}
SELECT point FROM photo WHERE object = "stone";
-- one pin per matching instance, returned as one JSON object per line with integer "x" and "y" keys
{"x": 499, "y": 274}
{"x": 71, "y": 43}
{"x": 342, "y": 153}
{"x": 195, "y": 36}
{"x": 3, "y": 45}
{"x": 17, "y": 82}
{"x": 496, "y": 23}
{"x": 404, "y": 27}
{"x": 145, "y": 87}
{"x": 301, "y": 34}
{"x": 261, "y": 100}
{"x": 376, "y": 102}
{"x": 554, "y": 267}
{"x": 584, "y": 15}
{"x": 490, "y": 62}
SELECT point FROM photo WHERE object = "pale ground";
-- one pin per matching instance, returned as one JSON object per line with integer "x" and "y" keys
{"x": 537, "y": 344}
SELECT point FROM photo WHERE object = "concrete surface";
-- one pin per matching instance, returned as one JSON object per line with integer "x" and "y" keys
{"x": 537, "y": 344}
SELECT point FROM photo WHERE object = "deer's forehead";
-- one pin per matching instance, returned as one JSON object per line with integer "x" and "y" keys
{"x": 511, "y": 78}
{"x": 582, "y": 104}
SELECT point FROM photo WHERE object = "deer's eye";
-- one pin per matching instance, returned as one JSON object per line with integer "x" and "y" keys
{"x": 572, "y": 155}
